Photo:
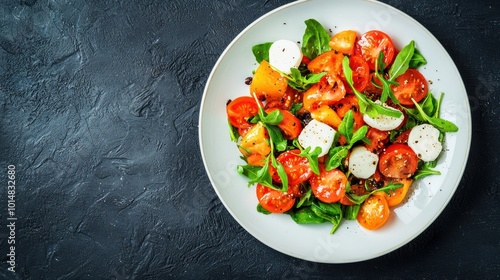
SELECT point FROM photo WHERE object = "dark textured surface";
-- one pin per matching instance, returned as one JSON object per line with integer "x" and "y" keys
{"x": 99, "y": 103}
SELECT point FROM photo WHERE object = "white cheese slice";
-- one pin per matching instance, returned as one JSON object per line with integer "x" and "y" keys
{"x": 383, "y": 122}
{"x": 424, "y": 141}
{"x": 362, "y": 162}
{"x": 285, "y": 54}
{"x": 317, "y": 134}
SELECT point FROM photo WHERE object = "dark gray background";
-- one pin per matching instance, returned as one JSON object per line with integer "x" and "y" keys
{"x": 99, "y": 105}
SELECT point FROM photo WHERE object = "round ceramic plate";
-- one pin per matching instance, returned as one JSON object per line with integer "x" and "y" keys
{"x": 350, "y": 243}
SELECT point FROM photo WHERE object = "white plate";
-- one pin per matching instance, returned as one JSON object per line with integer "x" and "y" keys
{"x": 350, "y": 243}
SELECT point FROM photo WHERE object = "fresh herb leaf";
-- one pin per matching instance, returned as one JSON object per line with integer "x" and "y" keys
{"x": 302, "y": 82}
{"x": 402, "y": 61}
{"x": 261, "y": 209}
{"x": 312, "y": 157}
{"x": 426, "y": 170}
{"x": 306, "y": 199}
{"x": 358, "y": 199}
{"x": 351, "y": 211}
{"x": 417, "y": 60}
{"x": 281, "y": 173}
{"x": 277, "y": 141}
{"x": 347, "y": 125}
{"x": 335, "y": 157}
{"x": 233, "y": 132}
{"x": 386, "y": 84}
{"x": 261, "y": 51}
{"x": 366, "y": 106}
{"x": 257, "y": 174}
{"x": 331, "y": 212}
{"x": 441, "y": 124}
{"x": 315, "y": 40}
{"x": 306, "y": 216}
{"x": 294, "y": 109}
{"x": 359, "y": 135}
{"x": 273, "y": 118}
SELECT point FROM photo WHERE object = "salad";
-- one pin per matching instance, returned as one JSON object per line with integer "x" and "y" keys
{"x": 336, "y": 126}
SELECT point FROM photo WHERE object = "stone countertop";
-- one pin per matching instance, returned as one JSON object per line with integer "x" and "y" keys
{"x": 99, "y": 104}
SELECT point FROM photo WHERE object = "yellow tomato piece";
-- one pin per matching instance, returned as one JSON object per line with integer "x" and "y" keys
{"x": 255, "y": 141}
{"x": 267, "y": 83}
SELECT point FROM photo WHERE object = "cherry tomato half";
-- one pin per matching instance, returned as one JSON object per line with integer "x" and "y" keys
{"x": 328, "y": 186}
{"x": 412, "y": 84}
{"x": 394, "y": 198}
{"x": 290, "y": 125}
{"x": 273, "y": 200}
{"x": 398, "y": 161}
{"x": 374, "y": 212}
{"x": 360, "y": 74}
{"x": 297, "y": 168}
{"x": 371, "y": 43}
{"x": 378, "y": 139}
{"x": 327, "y": 91}
{"x": 240, "y": 109}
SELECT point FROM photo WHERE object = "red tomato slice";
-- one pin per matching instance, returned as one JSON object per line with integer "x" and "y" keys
{"x": 240, "y": 109}
{"x": 398, "y": 161}
{"x": 329, "y": 61}
{"x": 377, "y": 138}
{"x": 412, "y": 84}
{"x": 403, "y": 137}
{"x": 327, "y": 91}
{"x": 374, "y": 212}
{"x": 290, "y": 125}
{"x": 328, "y": 186}
{"x": 297, "y": 168}
{"x": 360, "y": 74}
{"x": 371, "y": 44}
{"x": 273, "y": 200}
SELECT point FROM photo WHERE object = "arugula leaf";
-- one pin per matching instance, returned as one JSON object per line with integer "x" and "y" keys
{"x": 347, "y": 125}
{"x": 261, "y": 51}
{"x": 335, "y": 157}
{"x": 417, "y": 60}
{"x": 351, "y": 211}
{"x": 337, "y": 154}
{"x": 358, "y": 199}
{"x": 402, "y": 61}
{"x": 366, "y": 106}
{"x": 295, "y": 108}
{"x": 426, "y": 170}
{"x": 261, "y": 209}
{"x": 281, "y": 173}
{"x": 233, "y": 132}
{"x": 306, "y": 199}
{"x": 301, "y": 82}
{"x": 312, "y": 157}
{"x": 331, "y": 212}
{"x": 257, "y": 174}
{"x": 315, "y": 40}
{"x": 386, "y": 84}
{"x": 306, "y": 216}
{"x": 441, "y": 124}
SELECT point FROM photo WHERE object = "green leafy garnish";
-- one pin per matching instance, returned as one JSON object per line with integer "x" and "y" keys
{"x": 402, "y": 61}
{"x": 315, "y": 40}
{"x": 441, "y": 124}
{"x": 337, "y": 154}
{"x": 417, "y": 60}
{"x": 366, "y": 106}
{"x": 358, "y": 199}
{"x": 261, "y": 51}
